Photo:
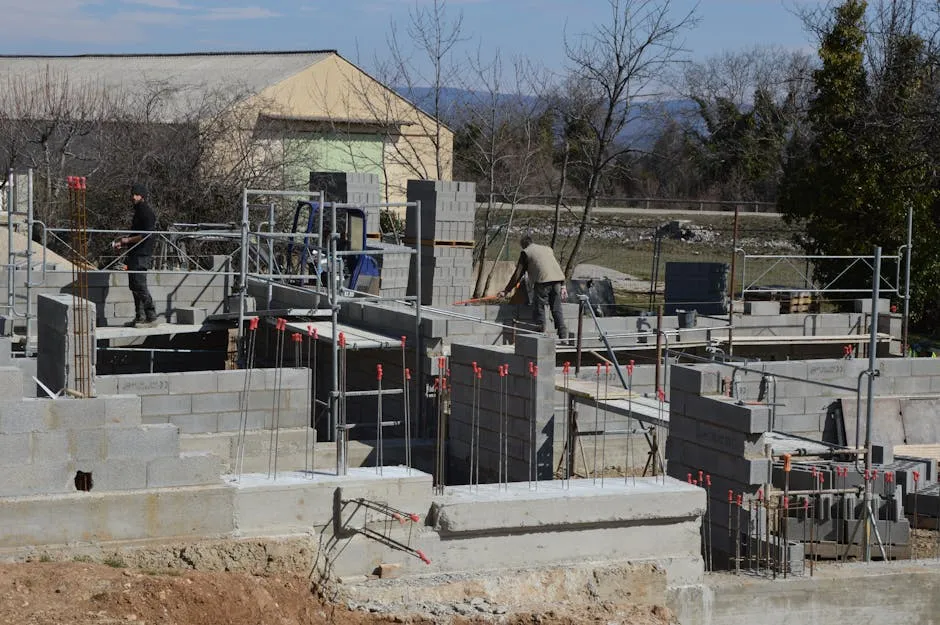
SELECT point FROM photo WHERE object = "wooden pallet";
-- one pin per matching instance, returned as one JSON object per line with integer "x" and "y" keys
{"x": 798, "y": 303}
{"x": 437, "y": 243}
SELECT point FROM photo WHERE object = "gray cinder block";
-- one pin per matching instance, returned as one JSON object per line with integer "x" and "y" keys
{"x": 186, "y": 470}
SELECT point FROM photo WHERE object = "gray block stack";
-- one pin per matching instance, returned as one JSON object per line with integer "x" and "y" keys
{"x": 530, "y": 413}
{"x": 394, "y": 268}
{"x": 352, "y": 188}
{"x": 697, "y": 286}
{"x": 58, "y": 359}
{"x": 447, "y": 238}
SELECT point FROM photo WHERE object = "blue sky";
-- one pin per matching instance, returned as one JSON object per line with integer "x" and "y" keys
{"x": 358, "y": 28}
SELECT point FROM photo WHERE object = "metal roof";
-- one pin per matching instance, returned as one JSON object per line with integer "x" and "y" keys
{"x": 189, "y": 74}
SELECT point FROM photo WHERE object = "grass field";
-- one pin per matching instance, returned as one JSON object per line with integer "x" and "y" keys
{"x": 626, "y": 243}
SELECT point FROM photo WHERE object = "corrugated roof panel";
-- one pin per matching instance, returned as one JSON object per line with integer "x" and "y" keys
{"x": 193, "y": 74}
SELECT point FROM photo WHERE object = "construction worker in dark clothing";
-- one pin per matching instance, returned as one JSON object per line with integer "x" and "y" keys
{"x": 548, "y": 280}
{"x": 140, "y": 252}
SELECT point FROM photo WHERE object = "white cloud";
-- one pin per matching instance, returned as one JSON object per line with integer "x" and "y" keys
{"x": 237, "y": 13}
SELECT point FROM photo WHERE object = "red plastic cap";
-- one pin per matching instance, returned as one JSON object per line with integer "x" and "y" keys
{"x": 566, "y": 368}
{"x": 296, "y": 337}
{"x": 598, "y": 368}
{"x": 378, "y": 372}
{"x": 480, "y": 373}
{"x": 506, "y": 368}
{"x": 474, "y": 365}
{"x": 730, "y": 496}
{"x": 414, "y": 517}
{"x": 407, "y": 374}
{"x": 403, "y": 340}
{"x": 535, "y": 371}
{"x": 916, "y": 476}
{"x": 689, "y": 477}
{"x": 309, "y": 330}
{"x": 423, "y": 557}
{"x": 342, "y": 339}
{"x": 661, "y": 394}
{"x": 708, "y": 480}
{"x": 253, "y": 323}
{"x": 607, "y": 368}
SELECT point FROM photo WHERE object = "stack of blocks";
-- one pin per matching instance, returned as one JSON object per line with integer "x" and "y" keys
{"x": 205, "y": 402}
{"x": 395, "y": 267}
{"x": 446, "y": 239}
{"x": 61, "y": 357}
{"x": 360, "y": 189}
{"x": 44, "y": 443}
{"x": 529, "y": 410}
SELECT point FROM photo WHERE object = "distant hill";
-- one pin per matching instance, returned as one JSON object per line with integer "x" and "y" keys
{"x": 644, "y": 129}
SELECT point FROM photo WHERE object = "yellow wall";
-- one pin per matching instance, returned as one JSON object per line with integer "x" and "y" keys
{"x": 337, "y": 91}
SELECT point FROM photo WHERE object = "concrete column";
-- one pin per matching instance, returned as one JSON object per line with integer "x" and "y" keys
{"x": 60, "y": 357}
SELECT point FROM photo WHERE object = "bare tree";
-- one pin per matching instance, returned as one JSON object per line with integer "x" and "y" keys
{"x": 499, "y": 145}
{"x": 610, "y": 69}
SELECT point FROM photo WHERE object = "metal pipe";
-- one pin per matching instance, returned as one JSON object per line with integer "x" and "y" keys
{"x": 29, "y": 253}
{"x": 11, "y": 257}
{"x": 872, "y": 373}
{"x": 243, "y": 269}
{"x": 659, "y": 346}
{"x": 734, "y": 246}
{"x": 907, "y": 278}
{"x": 333, "y": 290}
{"x": 420, "y": 386}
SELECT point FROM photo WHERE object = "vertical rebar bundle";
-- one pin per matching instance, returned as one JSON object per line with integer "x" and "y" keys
{"x": 82, "y": 355}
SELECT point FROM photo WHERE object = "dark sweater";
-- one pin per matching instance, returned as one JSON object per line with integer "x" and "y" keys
{"x": 144, "y": 220}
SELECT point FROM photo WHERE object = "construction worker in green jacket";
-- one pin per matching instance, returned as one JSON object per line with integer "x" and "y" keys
{"x": 548, "y": 280}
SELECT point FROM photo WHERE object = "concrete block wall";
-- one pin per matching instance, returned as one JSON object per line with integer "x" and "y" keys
{"x": 62, "y": 358}
{"x": 723, "y": 438}
{"x": 363, "y": 189}
{"x": 212, "y": 401}
{"x": 114, "y": 302}
{"x": 530, "y": 413}
{"x": 45, "y": 442}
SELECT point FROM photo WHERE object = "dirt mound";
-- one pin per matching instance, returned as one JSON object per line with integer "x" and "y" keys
{"x": 81, "y": 593}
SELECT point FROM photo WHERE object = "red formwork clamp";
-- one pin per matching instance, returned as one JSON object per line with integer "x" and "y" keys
{"x": 630, "y": 366}
{"x": 378, "y": 372}
{"x": 423, "y": 557}
{"x": 253, "y": 324}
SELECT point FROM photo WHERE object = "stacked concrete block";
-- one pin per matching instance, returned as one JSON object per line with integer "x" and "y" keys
{"x": 66, "y": 351}
{"x": 213, "y": 401}
{"x": 361, "y": 189}
{"x": 529, "y": 411}
{"x": 395, "y": 266}
{"x": 446, "y": 214}
{"x": 697, "y": 286}
{"x": 50, "y": 447}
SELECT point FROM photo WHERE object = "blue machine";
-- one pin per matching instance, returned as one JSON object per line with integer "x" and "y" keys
{"x": 359, "y": 269}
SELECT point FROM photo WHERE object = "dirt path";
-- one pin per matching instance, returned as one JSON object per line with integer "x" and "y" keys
{"x": 80, "y": 593}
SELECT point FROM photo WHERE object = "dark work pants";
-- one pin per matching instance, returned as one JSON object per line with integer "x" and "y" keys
{"x": 549, "y": 293}
{"x": 143, "y": 303}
